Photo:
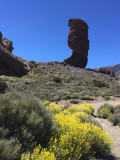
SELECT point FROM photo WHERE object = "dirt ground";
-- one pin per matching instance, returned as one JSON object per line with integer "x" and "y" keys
{"x": 114, "y": 131}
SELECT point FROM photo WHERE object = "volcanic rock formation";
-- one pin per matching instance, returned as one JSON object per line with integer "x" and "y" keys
{"x": 10, "y": 65}
{"x": 78, "y": 42}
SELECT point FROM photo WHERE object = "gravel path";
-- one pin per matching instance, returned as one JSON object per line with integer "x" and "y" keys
{"x": 114, "y": 131}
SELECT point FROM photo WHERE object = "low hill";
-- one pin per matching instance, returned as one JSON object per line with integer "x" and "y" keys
{"x": 56, "y": 81}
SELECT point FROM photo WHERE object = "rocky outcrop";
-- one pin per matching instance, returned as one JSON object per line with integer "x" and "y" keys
{"x": 10, "y": 65}
{"x": 7, "y": 44}
{"x": 106, "y": 71}
{"x": 78, "y": 42}
{"x": 116, "y": 70}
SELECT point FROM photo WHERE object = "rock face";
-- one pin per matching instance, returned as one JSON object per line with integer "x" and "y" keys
{"x": 78, "y": 42}
{"x": 10, "y": 65}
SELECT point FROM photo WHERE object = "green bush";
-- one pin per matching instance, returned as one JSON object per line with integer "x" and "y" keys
{"x": 99, "y": 84}
{"x": 57, "y": 79}
{"x": 107, "y": 98}
{"x": 74, "y": 101}
{"x": 119, "y": 124}
{"x": 3, "y": 85}
{"x": 9, "y": 149}
{"x": 114, "y": 118}
{"x": 66, "y": 97}
{"x": 86, "y": 98}
{"x": 57, "y": 98}
{"x": 32, "y": 64}
{"x": 26, "y": 120}
{"x": 75, "y": 96}
{"x": 105, "y": 110}
{"x": 117, "y": 108}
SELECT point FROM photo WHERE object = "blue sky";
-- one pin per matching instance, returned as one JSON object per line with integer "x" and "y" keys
{"x": 39, "y": 28}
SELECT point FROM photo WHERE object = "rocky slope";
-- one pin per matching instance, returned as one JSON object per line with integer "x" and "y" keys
{"x": 116, "y": 69}
{"x": 56, "y": 81}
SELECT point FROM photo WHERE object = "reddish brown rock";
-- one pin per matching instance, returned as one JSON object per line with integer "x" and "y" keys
{"x": 10, "y": 65}
{"x": 78, "y": 42}
{"x": 106, "y": 71}
{"x": 7, "y": 44}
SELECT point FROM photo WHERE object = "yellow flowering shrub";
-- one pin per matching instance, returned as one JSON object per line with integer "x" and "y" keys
{"x": 75, "y": 140}
{"x": 39, "y": 154}
{"x": 79, "y": 140}
{"x": 55, "y": 108}
{"x": 46, "y": 103}
{"x": 88, "y": 108}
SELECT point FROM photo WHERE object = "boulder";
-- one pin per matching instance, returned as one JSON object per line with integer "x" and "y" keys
{"x": 78, "y": 42}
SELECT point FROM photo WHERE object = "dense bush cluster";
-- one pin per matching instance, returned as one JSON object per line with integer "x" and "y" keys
{"x": 78, "y": 137}
{"x": 24, "y": 123}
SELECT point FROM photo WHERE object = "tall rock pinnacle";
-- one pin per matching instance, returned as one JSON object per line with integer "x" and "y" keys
{"x": 78, "y": 42}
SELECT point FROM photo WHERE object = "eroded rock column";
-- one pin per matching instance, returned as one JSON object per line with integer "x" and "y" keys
{"x": 78, "y": 42}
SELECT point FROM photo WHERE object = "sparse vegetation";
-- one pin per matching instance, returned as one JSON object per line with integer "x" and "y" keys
{"x": 76, "y": 83}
